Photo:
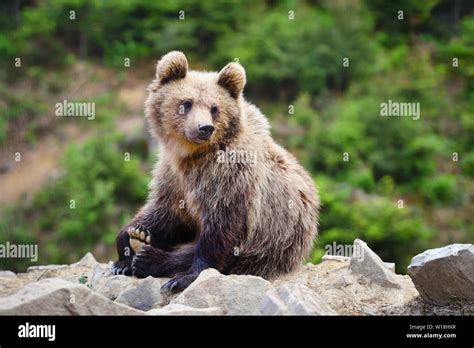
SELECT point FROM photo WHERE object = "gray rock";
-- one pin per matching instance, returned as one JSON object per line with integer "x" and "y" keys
{"x": 343, "y": 281}
{"x": 444, "y": 275}
{"x": 98, "y": 273}
{"x": 294, "y": 299}
{"x": 367, "y": 263}
{"x": 54, "y": 296}
{"x": 7, "y": 274}
{"x": 74, "y": 274}
{"x": 80, "y": 271}
{"x": 144, "y": 296}
{"x": 390, "y": 266}
{"x": 234, "y": 294}
{"x": 11, "y": 285}
{"x": 42, "y": 268}
{"x": 179, "y": 309}
{"x": 112, "y": 285}
{"x": 336, "y": 258}
{"x": 88, "y": 260}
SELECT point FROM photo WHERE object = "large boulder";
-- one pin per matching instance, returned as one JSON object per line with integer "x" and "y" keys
{"x": 144, "y": 296}
{"x": 234, "y": 294}
{"x": 367, "y": 263}
{"x": 106, "y": 283}
{"x": 7, "y": 274}
{"x": 88, "y": 260}
{"x": 294, "y": 299}
{"x": 351, "y": 293}
{"x": 444, "y": 275}
{"x": 53, "y": 296}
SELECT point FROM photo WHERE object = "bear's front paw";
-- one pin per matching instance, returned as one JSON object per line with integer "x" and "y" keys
{"x": 179, "y": 283}
{"x": 122, "y": 267}
{"x": 138, "y": 237}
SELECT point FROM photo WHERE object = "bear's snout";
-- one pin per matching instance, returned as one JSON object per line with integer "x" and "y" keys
{"x": 205, "y": 132}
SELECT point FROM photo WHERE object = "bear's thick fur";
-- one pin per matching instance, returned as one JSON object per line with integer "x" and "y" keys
{"x": 223, "y": 194}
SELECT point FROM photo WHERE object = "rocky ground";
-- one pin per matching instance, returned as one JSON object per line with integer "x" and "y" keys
{"x": 361, "y": 285}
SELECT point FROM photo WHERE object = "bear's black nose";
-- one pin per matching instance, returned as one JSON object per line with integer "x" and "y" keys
{"x": 205, "y": 131}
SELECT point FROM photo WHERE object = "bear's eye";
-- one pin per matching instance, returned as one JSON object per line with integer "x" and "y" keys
{"x": 214, "y": 111}
{"x": 185, "y": 106}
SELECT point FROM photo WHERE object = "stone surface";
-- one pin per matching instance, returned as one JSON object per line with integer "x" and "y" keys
{"x": 54, "y": 296}
{"x": 336, "y": 258}
{"x": 350, "y": 293}
{"x": 444, "y": 275}
{"x": 338, "y": 285}
{"x": 144, "y": 296}
{"x": 7, "y": 274}
{"x": 235, "y": 294}
{"x": 74, "y": 273}
{"x": 106, "y": 283}
{"x": 99, "y": 272}
{"x": 294, "y": 299}
{"x": 111, "y": 287}
{"x": 47, "y": 268}
{"x": 87, "y": 260}
{"x": 390, "y": 266}
{"x": 367, "y": 263}
{"x": 179, "y": 309}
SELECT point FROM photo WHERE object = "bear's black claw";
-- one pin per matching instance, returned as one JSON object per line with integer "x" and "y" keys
{"x": 122, "y": 267}
{"x": 178, "y": 283}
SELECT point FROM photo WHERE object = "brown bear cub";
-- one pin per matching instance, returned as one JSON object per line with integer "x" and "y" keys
{"x": 224, "y": 194}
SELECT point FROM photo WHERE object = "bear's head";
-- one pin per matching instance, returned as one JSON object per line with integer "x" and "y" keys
{"x": 192, "y": 111}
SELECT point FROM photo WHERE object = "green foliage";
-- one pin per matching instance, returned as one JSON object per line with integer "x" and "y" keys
{"x": 21, "y": 108}
{"x": 301, "y": 55}
{"x": 394, "y": 233}
{"x": 3, "y": 129}
{"x": 86, "y": 206}
{"x": 114, "y": 30}
{"x": 441, "y": 188}
{"x": 324, "y": 112}
{"x": 468, "y": 164}
{"x": 397, "y": 25}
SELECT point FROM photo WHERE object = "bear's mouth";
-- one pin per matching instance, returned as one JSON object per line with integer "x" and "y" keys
{"x": 198, "y": 139}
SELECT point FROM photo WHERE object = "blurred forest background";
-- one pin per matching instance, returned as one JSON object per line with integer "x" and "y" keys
{"x": 402, "y": 185}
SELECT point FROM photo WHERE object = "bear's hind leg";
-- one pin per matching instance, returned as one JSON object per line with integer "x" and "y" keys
{"x": 155, "y": 262}
{"x": 154, "y": 226}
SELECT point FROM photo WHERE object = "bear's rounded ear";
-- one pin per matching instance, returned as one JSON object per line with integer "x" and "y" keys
{"x": 172, "y": 66}
{"x": 232, "y": 77}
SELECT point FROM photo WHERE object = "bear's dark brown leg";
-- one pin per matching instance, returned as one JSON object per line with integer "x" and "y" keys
{"x": 150, "y": 261}
{"x": 166, "y": 230}
{"x": 215, "y": 246}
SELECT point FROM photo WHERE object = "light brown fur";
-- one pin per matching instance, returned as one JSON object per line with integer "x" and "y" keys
{"x": 257, "y": 217}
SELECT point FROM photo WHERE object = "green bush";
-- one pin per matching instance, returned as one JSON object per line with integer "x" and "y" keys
{"x": 303, "y": 54}
{"x": 441, "y": 188}
{"x": 395, "y": 234}
{"x": 467, "y": 164}
{"x": 98, "y": 191}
